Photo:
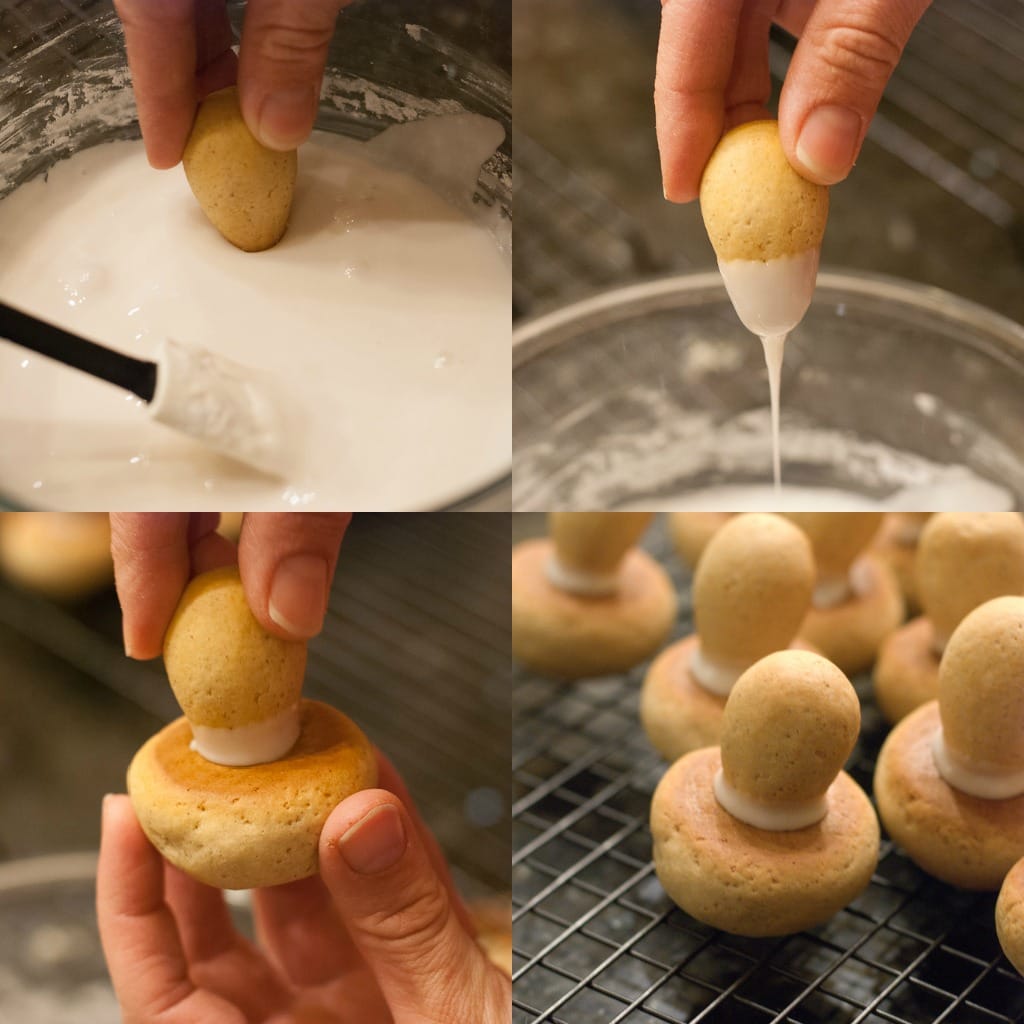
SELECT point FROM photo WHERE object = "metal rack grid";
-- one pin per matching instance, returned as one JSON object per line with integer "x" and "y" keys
{"x": 597, "y": 941}
{"x": 569, "y": 238}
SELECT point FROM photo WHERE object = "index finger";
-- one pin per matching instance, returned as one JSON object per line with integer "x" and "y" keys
{"x": 695, "y": 58}
{"x": 161, "y": 42}
{"x": 155, "y": 554}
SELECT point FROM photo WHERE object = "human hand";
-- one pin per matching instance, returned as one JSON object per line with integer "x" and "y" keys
{"x": 713, "y": 74}
{"x": 379, "y": 937}
{"x": 286, "y": 560}
{"x": 179, "y": 51}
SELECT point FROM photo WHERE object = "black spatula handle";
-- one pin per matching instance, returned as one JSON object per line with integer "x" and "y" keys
{"x": 136, "y": 375}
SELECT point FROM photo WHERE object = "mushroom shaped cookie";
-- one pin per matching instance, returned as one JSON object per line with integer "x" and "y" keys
{"x": 857, "y": 602}
{"x": 586, "y": 601}
{"x": 691, "y": 532}
{"x": 751, "y": 591}
{"x": 1010, "y": 916}
{"x": 766, "y": 224}
{"x": 766, "y": 835}
{"x": 64, "y": 555}
{"x": 964, "y": 560}
{"x": 237, "y": 792}
{"x": 949, "y": 782}
{"x": 896, "y": 544}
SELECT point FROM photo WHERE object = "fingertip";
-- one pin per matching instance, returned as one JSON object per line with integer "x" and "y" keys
{"x": 350, "y": 812}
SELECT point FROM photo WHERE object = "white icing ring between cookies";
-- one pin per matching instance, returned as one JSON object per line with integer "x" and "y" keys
{"x": 775, "y": 818}
{"x": 975, "y": 779}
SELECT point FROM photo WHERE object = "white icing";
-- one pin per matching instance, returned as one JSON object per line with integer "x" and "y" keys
{"x": 384, "y": 312}
{"x": 577, "y": 581}
{"x": 715, "y": 676}
{"x": 256, "y": 743}
{"x": 774, "y": 346}
{"x": 771, "y": 296}
{"x": 786, "y": 817}
{"x": 975, "y": 778}
{"x": 831, "y": 591}
{"x": 835, "y": 590}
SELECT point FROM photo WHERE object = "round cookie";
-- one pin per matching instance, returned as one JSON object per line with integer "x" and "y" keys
{"x": 622, "y": 616}
{"x": 225, "y": 669}
{"x": 62, "y": 555}
{"x": 896, "y": 544}
{"x": 253, "y": 826}
{"x": 754, "y": 205}
{"x": 691, "y": 532}
{"x": 949, "y": 782}
{"x": 857, "y": 601}
{"x": 1010, "y": 916}
{"x": 244, "y": 189}
{"x": 964, "y": 559}
{"x": 790, "y": 722}
{"x": 751, "y": 591}
{"x": 236, "y": 793}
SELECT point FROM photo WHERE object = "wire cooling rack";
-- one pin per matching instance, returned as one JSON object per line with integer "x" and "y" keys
{"x": 597, "y": 941}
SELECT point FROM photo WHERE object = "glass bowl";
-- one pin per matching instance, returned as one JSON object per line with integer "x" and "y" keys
{"x": 891, "y": 391}
{"x": 65, "y": 87}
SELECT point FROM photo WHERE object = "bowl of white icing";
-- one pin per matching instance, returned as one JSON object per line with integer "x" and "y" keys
{"x": 894, "y": 395}
{"x": 383, "y": 313}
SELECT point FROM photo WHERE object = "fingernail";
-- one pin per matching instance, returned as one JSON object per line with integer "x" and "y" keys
{"x": 375, "y": 842}
{"x": 285, "y": 118}
{"x": 828, "y": 143}
{"x": 298, "y": 595}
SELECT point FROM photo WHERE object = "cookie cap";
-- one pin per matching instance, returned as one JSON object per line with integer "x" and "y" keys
{"x": 225, "y": 669}
{"x": 789, "y": 725}
{"x": 837, "y": 538}
{"x": 980, "y": 747}
{"x": 965, "y": 559}
{"x": 755, "y": 206}
{"x": 590, "y": 546}
{"x": 751, "y": 591}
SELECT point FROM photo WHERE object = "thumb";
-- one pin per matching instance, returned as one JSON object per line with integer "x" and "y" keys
{"x": 287, "y": 562}
{"x": 399, "y": 914}
{"x": 847, "y": 51}
{"x": 280, "y": 67}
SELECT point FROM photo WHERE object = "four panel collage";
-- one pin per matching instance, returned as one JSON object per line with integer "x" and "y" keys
{"x": 699, "y": 756}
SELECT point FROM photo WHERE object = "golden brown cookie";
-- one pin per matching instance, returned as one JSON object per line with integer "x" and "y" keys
{"x": 254, "y": 826}
{"x": 765, "y": 835}
{"x": 754, "y": 205}
{"x": 225, "y": 669}
{"x": 1010, "y": 916}
{"x": 750, "y": 593}
{"x": 746, "y": 880}
{"x": 243, "y": 188}
{"x": 63, "y": 555}
{"x": 850, "y": 633}
{"x": 896, "y": 544}
{"x": 906, "y": 674}
{"x": 691, "y": 531}
{"x": 571, "y": 636}
{"x": 964, "y": 840}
